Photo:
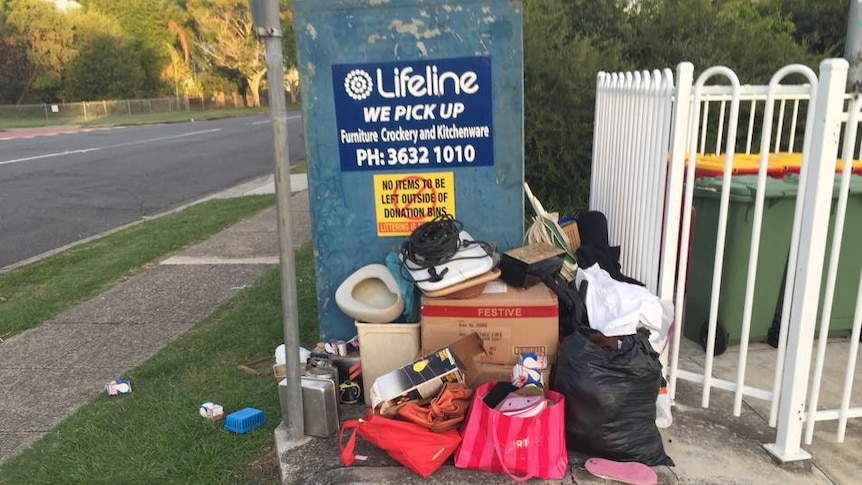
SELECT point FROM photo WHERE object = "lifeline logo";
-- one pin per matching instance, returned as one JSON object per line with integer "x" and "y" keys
{"x": 406, "y": 82}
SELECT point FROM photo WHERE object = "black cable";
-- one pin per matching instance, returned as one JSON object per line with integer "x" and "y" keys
{"x": 433, "y": 243}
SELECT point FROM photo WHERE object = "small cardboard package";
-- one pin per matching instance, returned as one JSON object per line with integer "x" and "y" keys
{"x": 510, "y": 321}
{"x": 501, "y": 373}
{"x": 452, "y": 362}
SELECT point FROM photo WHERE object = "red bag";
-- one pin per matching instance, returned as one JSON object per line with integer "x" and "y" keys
{"x": 415, "y": 447}
{"x": 523, "y": 448}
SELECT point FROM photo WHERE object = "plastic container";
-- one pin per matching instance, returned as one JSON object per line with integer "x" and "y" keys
{"x": 850, "y": 259}
{"x": 244, "y": 420}
{"x": 384, "y": 347}
{"x": 793, "y": 161}
{"x": 779, "y": 205}
{"x": 711, "y": 165}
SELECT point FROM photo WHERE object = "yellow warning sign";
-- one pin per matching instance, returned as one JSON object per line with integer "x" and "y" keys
{"x": 407, "y": 200}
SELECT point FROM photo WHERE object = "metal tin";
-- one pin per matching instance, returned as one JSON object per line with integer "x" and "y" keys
{"x": 320, "y": 406}
{"x": 324, "y": 372}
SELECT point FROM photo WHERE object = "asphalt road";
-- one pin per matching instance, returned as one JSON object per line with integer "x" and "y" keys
{"x": 55, "y": 190}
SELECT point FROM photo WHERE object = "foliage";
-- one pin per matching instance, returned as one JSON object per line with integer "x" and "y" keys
{"x": 46, "y": 36}
{"x": 146, "y": 21}
{"x": 218, "y": 80}
{"x": 720, "y": 32}
{"x": 108, "y": 67}
{"x": 225, "y": 33}
{"x": 288, "y": 40}
{"x": 820, "y": 25}
{"x": 561, "y": 59}
{"x": 566, "y": 42}
{"x": 15, "y": 67}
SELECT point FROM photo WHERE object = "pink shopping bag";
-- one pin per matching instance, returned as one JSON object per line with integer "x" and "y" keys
{"x": 523, "y": 448}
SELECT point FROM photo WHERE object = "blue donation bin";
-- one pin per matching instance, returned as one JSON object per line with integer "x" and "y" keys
{"x": 412, "y": 109}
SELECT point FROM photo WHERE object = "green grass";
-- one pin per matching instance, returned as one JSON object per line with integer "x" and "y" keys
{"x": 300, "y": 167}
{"x": 154, "y": 435}
{"x": 6, "y": 124}
{"x": 174, "y": 116}
{"x": 35, "y": 293}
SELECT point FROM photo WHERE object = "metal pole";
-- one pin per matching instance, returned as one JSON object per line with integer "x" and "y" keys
{"x": 291, "y": 401}
{"x": 817, "y": 196}
{"x": 853, "y": 44}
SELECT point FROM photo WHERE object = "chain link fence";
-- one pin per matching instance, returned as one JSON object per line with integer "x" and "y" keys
{"x": 85, "y": 111}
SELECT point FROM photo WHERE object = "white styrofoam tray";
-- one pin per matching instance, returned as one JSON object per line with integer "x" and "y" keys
{"x": 459, "y": 269}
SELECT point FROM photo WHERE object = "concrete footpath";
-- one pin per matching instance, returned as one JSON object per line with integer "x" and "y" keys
{"x": 119, "y": 329}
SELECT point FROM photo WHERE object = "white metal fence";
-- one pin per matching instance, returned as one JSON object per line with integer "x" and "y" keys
{"x": 647, "y": 129}
{"x": 633, "y": 114}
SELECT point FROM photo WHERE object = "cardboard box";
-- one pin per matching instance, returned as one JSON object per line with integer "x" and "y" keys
{"x": 496, "y": 372}
{"x": 570, "y": 229}
{"x": 523, "y": 266}
{"x": 454, "y": 362}
{"x": 510, "y": 321}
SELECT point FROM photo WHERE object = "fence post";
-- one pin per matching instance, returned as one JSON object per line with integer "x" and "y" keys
{"x": 45, "y": 107}
{"x": 673, "y": 191}
{"x": 673, "y": 204}
{"x": 816, "y": 189}
{"x": 105, "y": 107}
{"x": 84, "y": 105}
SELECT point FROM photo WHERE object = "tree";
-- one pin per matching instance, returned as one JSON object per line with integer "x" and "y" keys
{"x": 45, "y": 34}
{"x": 14, "y": 69}
{"x": 288, "y": 49}
{"x": 225, "y": 33}
{"x": 145, "y": 23}
{"x": 719, "y": 32}
{"x": 561, "y": 58}
{"x": 819, "y": 25}
{"x": 108, "y": 65}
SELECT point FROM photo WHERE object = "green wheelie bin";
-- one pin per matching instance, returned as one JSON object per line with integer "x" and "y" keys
{"x": 849, "y": 261}
{"x": 777, "y": 223}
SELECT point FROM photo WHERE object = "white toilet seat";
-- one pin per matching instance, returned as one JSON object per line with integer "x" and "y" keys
{"x": 370, "y": 295}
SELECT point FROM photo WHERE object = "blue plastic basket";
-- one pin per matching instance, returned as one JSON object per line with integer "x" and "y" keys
{"x": 244, "y": 420}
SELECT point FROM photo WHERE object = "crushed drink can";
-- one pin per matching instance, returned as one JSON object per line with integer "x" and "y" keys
{"x": 211, "y": 411}
{"x": 117, "y": 387}
{"x": 524, "y": 376}
{"x": 534, "y": 360}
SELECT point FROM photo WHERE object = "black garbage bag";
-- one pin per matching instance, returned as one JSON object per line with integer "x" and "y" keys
{"x": 611, "y": 397}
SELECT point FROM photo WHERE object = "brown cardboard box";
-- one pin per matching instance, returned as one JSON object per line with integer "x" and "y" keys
{"x": 572, "y": 232}
{"x": 497, "y": 372}
{"x": 510, "y": 321}
{"x": 453, "y": 362}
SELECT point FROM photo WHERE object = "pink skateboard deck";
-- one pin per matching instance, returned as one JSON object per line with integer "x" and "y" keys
{"x": 626, "y": 472}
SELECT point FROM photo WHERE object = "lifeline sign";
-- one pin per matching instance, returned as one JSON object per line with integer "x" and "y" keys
{"x": 406, "y": 201}
{"x": 422, "y": 114}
